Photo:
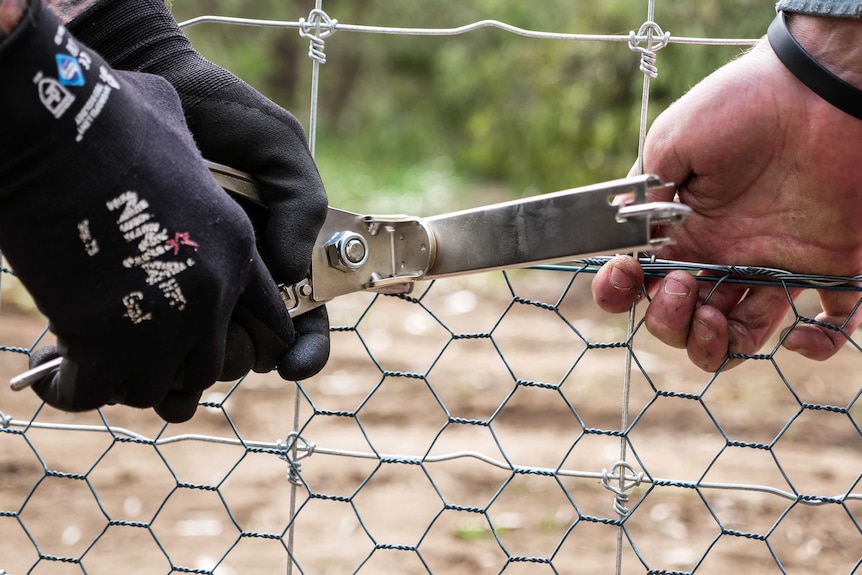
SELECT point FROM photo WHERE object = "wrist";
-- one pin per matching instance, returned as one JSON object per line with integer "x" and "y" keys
{"x": 137, "y": 35}
{"x": 66, "y": 10}
{"x": 11, "y": 13}
{"x": 827, "y": 39}
{"x": 836, "y": 43}
{"x": 143, "y": 36}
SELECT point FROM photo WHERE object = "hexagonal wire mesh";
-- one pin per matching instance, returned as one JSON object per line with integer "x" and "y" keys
{"x": 498, "y": 423}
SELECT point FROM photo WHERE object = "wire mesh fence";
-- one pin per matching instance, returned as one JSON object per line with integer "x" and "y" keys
{"x": 497, "y": 423}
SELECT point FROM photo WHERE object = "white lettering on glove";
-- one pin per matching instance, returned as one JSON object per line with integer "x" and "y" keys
{"x": 155, "y": 248}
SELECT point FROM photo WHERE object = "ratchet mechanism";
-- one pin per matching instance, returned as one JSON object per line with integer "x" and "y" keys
{"x": 389, "y": 253}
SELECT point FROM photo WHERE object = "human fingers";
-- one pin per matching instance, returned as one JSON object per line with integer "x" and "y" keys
{"x": 734, "y": 319}
{"x": 239, "y": 127}
{"x": 310, "y": 351}
{"x": 691, "y": 314}
{"x": 820, "y": 341}
{"x": 81, "y": 384}
{"x": 59, "y": 389}
{"x": 708, "y": 338}
{"x": 670, "y": 312}
{"x": 50, "y": 388}
{"x": 618, "y": 284}
{"x": 266, "y": 332}
{"x": 239, "y": 356}
{"x": 178, "y": 406}
{"x": 757, "y": 317}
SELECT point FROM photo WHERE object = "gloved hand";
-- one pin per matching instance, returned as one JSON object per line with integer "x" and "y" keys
{"x": 123, "y": 238}
{"x": 233, "y": 124}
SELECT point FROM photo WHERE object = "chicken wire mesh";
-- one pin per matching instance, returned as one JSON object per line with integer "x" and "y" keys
{"x": 496, "y": 423}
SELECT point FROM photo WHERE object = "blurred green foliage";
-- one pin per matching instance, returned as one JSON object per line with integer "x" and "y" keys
{"x": 419, "y": 116}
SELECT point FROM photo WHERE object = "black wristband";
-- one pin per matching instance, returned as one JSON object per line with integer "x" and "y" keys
{"x": 810, "y": 72}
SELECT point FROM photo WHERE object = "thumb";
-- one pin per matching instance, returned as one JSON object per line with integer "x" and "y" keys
{"x": 618, "y": 284}
{"x": 665, "y": 153}
{"x": 61, "y": 388}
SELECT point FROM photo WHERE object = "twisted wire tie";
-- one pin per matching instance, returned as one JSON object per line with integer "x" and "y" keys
{"x": 316, "y": 29}
{"x": 304, "y": 449}
{"x": 656, "y": 40}
{"x": 631, "y": 479}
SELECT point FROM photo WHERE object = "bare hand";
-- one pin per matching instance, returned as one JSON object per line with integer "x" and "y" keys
{"x": 773, "y": 174}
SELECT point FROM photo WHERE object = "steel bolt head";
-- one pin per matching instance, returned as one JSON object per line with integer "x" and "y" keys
{"x": 354, "y": 251}
{"x": 347, "y": 251}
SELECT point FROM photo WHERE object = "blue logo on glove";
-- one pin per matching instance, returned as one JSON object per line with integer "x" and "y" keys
{"x": 69, "y": 71}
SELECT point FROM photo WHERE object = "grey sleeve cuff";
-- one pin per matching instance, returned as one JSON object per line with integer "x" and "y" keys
{"x": 835, "y": 8}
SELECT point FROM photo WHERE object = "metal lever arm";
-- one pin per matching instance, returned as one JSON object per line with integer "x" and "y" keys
{"x": 388, "y": 254}
{"x": 611, "y": 217}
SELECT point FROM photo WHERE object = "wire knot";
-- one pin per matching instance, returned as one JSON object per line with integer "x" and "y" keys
{"x": 295, "y": 443}
{"x": 627, "y": 478}
{"x": 656, "y": 39}
{"x": 316, "y": 29}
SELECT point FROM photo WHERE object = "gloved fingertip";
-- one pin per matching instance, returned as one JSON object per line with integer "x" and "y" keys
{"x": 43, "y": 355}
{"x": 239, "y": 353}
{"x": 51, "y": 389}
{"x": 310, "y": 352}
{"x": 178, "y": 406}
{"x": 306, "y": 358}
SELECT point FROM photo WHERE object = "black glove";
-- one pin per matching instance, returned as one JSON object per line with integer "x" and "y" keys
{"x": 233, "y": 124}
{"x": 125, "y": 241}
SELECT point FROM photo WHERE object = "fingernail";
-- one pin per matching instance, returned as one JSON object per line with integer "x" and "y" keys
{"x": 703, "y": 332}
{"x": 675, "y": 288}
{"x": 788, "y": 341}
{"x": 621, "y": 280}
{"x": 795, "y": 341}
{"x": 791, "y": 345}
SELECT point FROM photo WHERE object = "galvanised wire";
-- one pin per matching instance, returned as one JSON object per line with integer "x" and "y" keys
{"x": 627, "y": 481}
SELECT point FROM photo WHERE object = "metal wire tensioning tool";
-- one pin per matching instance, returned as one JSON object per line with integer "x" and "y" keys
{"x": 389, "y": 253}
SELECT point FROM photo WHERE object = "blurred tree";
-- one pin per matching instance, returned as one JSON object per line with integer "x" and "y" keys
{"x": 536, "y": 115}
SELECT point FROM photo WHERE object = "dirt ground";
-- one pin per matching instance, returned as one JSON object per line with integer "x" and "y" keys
{"x": 467, "y": 433}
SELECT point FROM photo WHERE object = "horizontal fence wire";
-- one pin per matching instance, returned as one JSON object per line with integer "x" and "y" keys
{"x": 328, "y": 26}
{"x": 435, "y": 444}
{"x": 305, "y": 449}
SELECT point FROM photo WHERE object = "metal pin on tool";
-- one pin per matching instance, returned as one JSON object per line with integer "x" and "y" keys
{"x": 31, "y": 376}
